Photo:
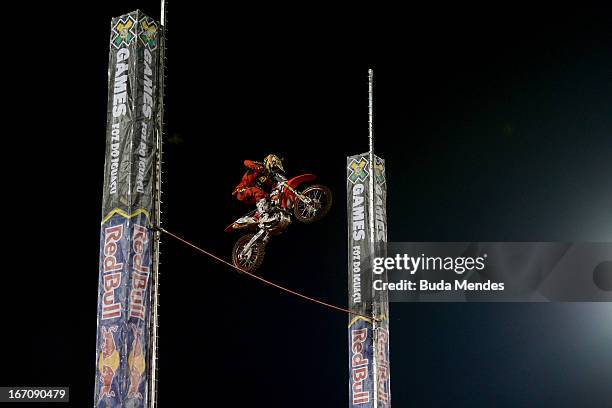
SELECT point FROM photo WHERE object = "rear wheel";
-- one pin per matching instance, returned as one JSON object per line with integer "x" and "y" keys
{"x": 251, "y": 259}
{"x": 320, "y": 203}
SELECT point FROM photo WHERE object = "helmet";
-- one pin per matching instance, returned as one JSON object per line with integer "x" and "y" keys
{"x": 273, "y": 164}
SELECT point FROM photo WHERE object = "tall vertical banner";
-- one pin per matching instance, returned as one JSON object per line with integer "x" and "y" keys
{"x": 126, "y": 241}
{"x": 368, "y": 329}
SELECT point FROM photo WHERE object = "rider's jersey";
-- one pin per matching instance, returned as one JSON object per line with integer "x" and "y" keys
{"x": 255, "y": 176}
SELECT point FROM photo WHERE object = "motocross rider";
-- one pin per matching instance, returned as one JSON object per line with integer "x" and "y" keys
{"x": 256, "y": 183}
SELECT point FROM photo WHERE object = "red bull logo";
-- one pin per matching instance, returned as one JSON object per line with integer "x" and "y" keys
{"x": 136, "y": 364}
{"x": 140, "y": 272}
{"x": 108, "y": 363}
{"x": 382, "y": 359}
{"x": 359, "y": 365}
{"x": 111, "y": 272}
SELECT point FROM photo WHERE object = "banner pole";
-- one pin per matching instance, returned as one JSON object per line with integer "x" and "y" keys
{"x": 157, "y": 208}
{"x": 367, "y": 237}
{"x": 371, "y": 211}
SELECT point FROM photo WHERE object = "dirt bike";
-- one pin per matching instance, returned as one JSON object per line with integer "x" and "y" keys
{"x": 286, "y": 202}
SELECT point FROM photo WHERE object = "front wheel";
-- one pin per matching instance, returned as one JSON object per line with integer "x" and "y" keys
{"x": 319, "y": 203}
{"x": 251, "y": 259}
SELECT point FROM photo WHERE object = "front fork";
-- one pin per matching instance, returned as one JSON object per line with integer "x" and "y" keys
{"x": 247, "y": 247}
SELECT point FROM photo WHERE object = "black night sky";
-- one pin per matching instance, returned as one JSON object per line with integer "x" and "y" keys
{"x": 495, "y": 126}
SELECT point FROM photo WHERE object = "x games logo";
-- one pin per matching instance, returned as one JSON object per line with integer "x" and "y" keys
{"x": 122, "y": 32}
{"x": 358, "y": 170}
{"x": 379, "y": 170}
{"x": 148, "y": 33}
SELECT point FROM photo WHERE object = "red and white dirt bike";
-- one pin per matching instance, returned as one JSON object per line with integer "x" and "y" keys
{"x": 286, "y": 202}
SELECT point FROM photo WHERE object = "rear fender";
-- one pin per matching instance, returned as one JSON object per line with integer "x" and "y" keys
{"x": 297, "y": 180}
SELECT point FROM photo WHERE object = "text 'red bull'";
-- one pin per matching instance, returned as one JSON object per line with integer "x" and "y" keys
{"x": 112, "y": 272}
{"x": 382, "y": 344}
{"x": 359, "y": 366}
{"x": 140, "y": 272}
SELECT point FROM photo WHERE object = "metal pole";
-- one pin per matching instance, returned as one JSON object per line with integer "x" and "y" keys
{"x": 371, "y": 152}
{"x": 157, "y": 207}
{"x": 163, "y": 13}
{"x": 372, "y": 217}
{"x": 371, "y": 111}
